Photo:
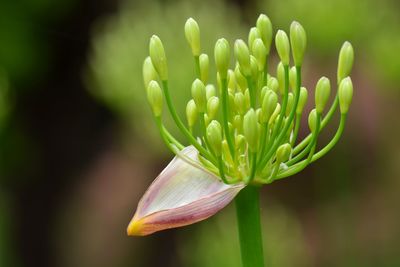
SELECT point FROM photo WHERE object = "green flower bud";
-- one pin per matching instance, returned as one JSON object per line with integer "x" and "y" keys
{"x": 290, "y": 103}
{"x": 273, "y": 84}
{"x": 212, "y": 107}
{"x": 253, "y": 34}
{"x": 298, "y": 40}
{"x": 191, "y": 113}
{"x": 260, "y": 53}
{"x": 210, "y": 91}
{"x": 322, "y": 92}
{"x": 283, "y": 153}
{"x": 247, "y": 98}
{"x": 293, "y": 78}
{"x": 345, "y": 94}
{"x": 240, "y": 103}
{"x": 239, "y": 140}
{"x": 312, "y": 120}
{"x": 254, "y": 67}
{"x": 250, "y": 129}
{"x": 204, "y": 63}
{"x": 158, "y": 58}
{"x": 242, "y": 55}
{"x": 222, "y": 57}
{"x": 345, "y": 64}
{"x": 264, "y": 90}
{"x": 155, "y": 97}
{"x": 269, "y": 104}
{"x": 275, "y": 114}
{"x": 149, "y": 72}
{"x": 192, "y": 33}
{"x": 265, "y": 28}
{"x": 302, "y": 100}
{"x": 237, "y": 122}
{"x": 231, "y": 80}
{"x": 214, "y": 136}
{"x": 199, "y": 95}
{"x": 282, "y": 46}
{"x": 240, "y": 79}
{"x": 280, "y": 74}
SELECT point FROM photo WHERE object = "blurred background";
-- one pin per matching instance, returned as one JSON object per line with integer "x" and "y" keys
{"x": 78, "y": 146}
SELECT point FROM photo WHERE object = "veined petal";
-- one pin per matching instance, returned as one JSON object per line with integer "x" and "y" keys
{"x": 181, "y": 195}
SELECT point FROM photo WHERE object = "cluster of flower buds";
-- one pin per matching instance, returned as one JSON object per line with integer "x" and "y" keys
{"x": 248, "y": 127}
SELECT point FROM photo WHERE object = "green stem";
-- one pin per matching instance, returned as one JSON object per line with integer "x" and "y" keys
{"x": 249, "y": 226}
{"x": 225, "y": 116}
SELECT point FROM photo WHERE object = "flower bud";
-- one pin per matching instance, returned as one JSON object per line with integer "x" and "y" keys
{"x": 275, "y": 114}
{"x": 231, "y": 80}
{"x": 282, "y": 46}
{"x": 283, "y": 153}
{"x": 268, "y": 105}
{"x": 214, "y": 136}
{"x": 302, "y": 100}
{"x": 237, "y": 122}
{"x": 240, "y": 79}
{"x": 222, "y": 57}
{"x": 293, "y": 78}
{"x": 149, "y": 72}
{"x": 250, "y": 129}
{"x": 155, "y": 98}
{"x": 191, "y": 113}
{"x": 242, "y": 55}
{"x": 264, "y": 90}
{"x": 204, "y": 64}
{"x": 212, "y": 107}
{"x": 298, "y": 40}
{"x": 273, "y": 84}
{"x": 199, "y": 95}
{"x": 345, "y": 64}
{"x": 265, "y": 28}
{"x": 247, "y": 98}
{"x": 345, "y": 94}
{"x": 322, "y": 92}
{"x": 158, "y": 58}
{"x": 312, "y": 120}
{"x": 210, "y": 91}
{"x": 253, "y": 34}
{"x": 280, "y": 74}
{"x": 192, "y": 33}
{"x": 239, "y": 140}
{"x": 260, "y": 53}
{"x": 240, "y": 103}
{"x": 290, "y": 103}
{"x": 254, "y": 68}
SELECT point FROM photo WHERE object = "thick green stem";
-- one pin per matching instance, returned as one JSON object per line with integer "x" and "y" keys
{"x": 249, "y": 225}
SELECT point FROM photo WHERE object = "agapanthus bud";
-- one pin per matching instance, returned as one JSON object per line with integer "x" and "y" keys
{"x": 247, "y": 98}
{"x": 302, "y": 100}
{"x": 268, "y": 105}
{"x": 322, "y": 92}
{"x": 212, "y": 107}
{"x": 293, "y": 78}
{"x": 222, "y": 57}
{"x": 254, "y": 67}
{"x": 204, "y": 64}
{"x": 149, "y": 72}
{"x": 231, "y": 80}
{"x": 250, "y": 129}
{"x": 275, "y": 114}
{"x": 264, "y": 90}
{"x": 264, "y": 26}
{"x": 240, "y": 103}
{"x": 345, "y": 64}
{"x": 155, "y": 97}
{"x": 239, "y": 140}
{"x": 214, "y": 136}
{"x": 237, "y": 122}
{"x": 254, "y": 33}
{"x": 210, "y": 91}
{"x": 312, "y": 120}
{"x": 192, "y": 33}
{"x": 199, "y": 95}
{"x": 345, "y": 94}
{"x": 273, "y": 84}
{"x": 282, "y": 46}
{"x": 260, "y": 53}
{"x": 283, "y": 153}
{"x": 298, "y": 40}
{"x": 242, "y": 55}
{"x": 240, "y": 79}
{"x": 290, "y": 103}
{"x": 191, "y": 113}
{"x": 280, "y": 75}
{"x": 158, "y": 58}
